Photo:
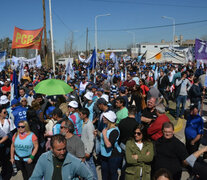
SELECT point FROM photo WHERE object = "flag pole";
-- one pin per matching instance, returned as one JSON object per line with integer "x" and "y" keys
{"x": 51, "y": 34}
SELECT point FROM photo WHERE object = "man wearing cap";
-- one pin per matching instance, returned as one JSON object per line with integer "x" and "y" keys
{"x": 74, "y": 117}
{"x": 19, "y": 113}
{"x": 89, "y": 104}
{"x": 94, "y": 91}
{"x": 155, "y": 128}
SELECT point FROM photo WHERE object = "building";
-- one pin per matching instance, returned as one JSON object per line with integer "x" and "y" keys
{"x": 143, "y": 47}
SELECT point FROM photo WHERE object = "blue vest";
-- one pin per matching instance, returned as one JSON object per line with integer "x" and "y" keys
{"x": 56, "y": 129}
{"x": 106, "y": 152}
{"x": 23, "y": 147}
{"x": 90, "y": 108}
{"x": 20, "y": 114}
{"x": 77, "y": 122}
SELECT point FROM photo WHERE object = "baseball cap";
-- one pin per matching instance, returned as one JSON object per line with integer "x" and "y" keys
{"x": 110, "y": 115}
{"x": 106, "y": 97}
{"x": 101, "y": 101}
{"x": 73, "y": 104}
{"x": 100, "y": 89}
{"x": 122, "y": 89}
{"x": 94, "y": 86}
{"x": 14, "y": 101}
{"x": 50, "y": 110}
{"x": 89, "y": 96}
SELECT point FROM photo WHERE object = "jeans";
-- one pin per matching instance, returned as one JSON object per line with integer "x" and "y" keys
{"x": 109, "y": 168}
{"x": 138, "y": 117}
{"x": 92, "y": 167}
{"x": 180, "y": 99}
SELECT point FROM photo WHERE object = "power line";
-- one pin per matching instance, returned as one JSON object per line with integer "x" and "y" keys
{"x": 150, "y": 4}
{"x": 153, "y": 27}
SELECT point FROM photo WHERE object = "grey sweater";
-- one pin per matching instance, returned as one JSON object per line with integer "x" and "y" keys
{"x": 185, "y": 86}
{"x": 87, "y": 136}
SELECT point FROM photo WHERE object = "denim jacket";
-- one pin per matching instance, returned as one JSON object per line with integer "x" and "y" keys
{"x": 71, "y": 169}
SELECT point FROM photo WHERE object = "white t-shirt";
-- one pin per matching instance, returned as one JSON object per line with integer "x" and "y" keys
{"x": 140, "y": 146}
{"x": 7, "y": 126}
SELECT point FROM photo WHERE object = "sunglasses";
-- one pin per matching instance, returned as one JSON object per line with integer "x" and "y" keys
{"x": 21, "y": 126}
{"x": 23, "y": 101}
{"x": 5, "y": 112}
{"x": 61, "y": 127}
{"x": 138, "y": 133}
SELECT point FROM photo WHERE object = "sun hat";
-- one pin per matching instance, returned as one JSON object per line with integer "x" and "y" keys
{"x": 110, "y": 115}
{"x": 4, "y": 99}
{"x": 73, "y": 104}
{"x": 89, "y": 96}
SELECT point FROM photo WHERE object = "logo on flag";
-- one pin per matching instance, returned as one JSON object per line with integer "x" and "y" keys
{"x": 200, "y": 49}
{"x": 28, "y": 39}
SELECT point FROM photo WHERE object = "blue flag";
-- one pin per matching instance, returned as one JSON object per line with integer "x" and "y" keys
{"x": 93, "y": 60}
{"x": 15, "y": 83}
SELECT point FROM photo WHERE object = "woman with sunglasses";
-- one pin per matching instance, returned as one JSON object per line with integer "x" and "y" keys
{"x": 23, "y": 149}
{"x": 139, "y": 154}
{"x": 23, "y": 102}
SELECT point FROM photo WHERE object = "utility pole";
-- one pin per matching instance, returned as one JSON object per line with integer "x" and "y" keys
{"x": 86, "y": 42}
{"x": 45, "y": 34}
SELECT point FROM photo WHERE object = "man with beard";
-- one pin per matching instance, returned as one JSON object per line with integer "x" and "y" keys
{"x": 58, "y": 164}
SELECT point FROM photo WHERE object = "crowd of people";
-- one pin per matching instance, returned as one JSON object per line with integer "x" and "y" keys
{"x": 115, "y": 118}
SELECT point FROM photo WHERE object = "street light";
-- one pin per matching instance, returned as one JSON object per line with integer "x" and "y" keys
{"x": 171, "y": 18}
{"x": 96, "y": 43}
{"x": 133, "y": 37}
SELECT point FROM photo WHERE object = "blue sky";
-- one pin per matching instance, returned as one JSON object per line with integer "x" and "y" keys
{"x": 76, "y": 15}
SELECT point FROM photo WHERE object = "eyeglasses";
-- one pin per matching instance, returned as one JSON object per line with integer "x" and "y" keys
{"x": 21, "y": 126}
{"x": 138, "y": 133}
{"x": 61, "y": 127}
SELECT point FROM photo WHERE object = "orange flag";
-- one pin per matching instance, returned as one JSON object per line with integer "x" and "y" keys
{"x": 27, "y": 39}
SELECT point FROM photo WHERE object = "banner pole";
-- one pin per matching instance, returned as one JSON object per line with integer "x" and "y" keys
{"x": 51, "y": 34}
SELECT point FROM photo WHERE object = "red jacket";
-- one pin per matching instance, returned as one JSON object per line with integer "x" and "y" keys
{"x": 155, "y": 129}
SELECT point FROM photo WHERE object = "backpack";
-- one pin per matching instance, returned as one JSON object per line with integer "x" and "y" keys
{"x": 177, "y": 88}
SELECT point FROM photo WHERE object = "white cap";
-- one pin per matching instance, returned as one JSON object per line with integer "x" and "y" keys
{"x": 110, "y": 115}
{"x": 89, "y": 96}
{"x": 4, "y": 99}
{"x": 73, "y": 104}
{"x": 106, "y": 97}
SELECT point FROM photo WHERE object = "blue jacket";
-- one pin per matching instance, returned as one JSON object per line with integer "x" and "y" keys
{"x": 20, "y": 114}
{"x": 194, "y": 126}
{"x": 72, "y": 167}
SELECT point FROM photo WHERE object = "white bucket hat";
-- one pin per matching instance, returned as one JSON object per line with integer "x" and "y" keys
{"x": 73, "y": 104}
{"x": 4, "y": 99}
{"x": 89, "y": 96}
{"x": 110, "y": 115}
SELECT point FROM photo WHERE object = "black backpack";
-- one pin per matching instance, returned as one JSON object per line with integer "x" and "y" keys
{"x": 177, "y": 88}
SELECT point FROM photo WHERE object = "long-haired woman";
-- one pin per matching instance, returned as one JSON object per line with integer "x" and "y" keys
{"x": 139, "y": 154}
{"x": 23, "y": 149}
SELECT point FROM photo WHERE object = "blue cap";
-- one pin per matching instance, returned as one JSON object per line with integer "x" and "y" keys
{"x": 100, "y": 89}
{"x": 14, "y": 101}
{"x": 94, "y": 86}
{"x": 50, "y": 110}
{"x": 122, "y": 89}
